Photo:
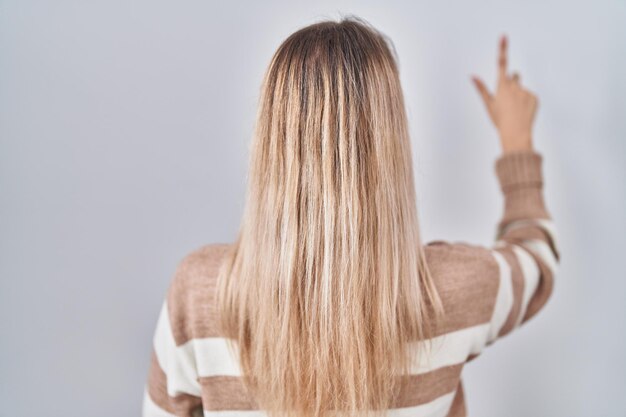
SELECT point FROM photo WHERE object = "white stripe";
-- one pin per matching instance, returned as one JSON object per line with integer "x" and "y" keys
{"x": 150, "y": 409}
{"x": 438, "y": 407}
{"x": 546, "y": 224}
{"x": 452, "y": 348}
{"x": 504, "y": 299}
{"x": 549, "y": 226}
{"x": 214, "y": 359}
{"x": 178, "y": 363}
{"x": 531, "y": 273}
{"x": 544, "y": 252}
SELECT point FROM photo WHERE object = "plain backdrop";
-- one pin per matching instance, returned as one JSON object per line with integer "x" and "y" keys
{"x": 124, "y": 133}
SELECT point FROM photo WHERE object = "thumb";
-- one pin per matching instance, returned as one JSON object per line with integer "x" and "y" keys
{"x": 482, "y": 89}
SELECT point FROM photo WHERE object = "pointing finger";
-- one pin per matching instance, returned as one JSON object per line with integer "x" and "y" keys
{"x": 502, "y": 58}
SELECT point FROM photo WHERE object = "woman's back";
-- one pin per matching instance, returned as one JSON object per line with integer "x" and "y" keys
{"x": 328, "y": 301}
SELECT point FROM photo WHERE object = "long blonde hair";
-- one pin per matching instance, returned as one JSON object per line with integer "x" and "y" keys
{"x": 327, "y": 285}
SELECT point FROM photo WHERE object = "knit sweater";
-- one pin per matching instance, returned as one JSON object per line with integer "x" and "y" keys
{"x": 487, "y": 292}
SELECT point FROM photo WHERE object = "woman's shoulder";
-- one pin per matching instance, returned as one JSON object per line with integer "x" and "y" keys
{"x": 204, "y": 257}
{"x": 452, "y": 254}
{"x": 199, "y": 267}
{"x": 467, "y": 279}
{"x": 458, "y": 262}
{"x": 191, "y": 295}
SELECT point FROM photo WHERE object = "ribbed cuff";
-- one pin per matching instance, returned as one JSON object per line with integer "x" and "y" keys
{"x": 519, "y": 169}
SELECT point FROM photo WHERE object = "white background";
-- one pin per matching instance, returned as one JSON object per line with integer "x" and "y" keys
{"x": 124, "y": 131}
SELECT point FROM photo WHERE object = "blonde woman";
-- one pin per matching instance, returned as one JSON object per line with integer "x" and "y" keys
{"x": 328, "y": 303}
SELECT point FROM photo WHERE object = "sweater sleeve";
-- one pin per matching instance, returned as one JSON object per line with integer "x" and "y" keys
{"x": 525, "y": 246}
{"x": 172, "y": 387}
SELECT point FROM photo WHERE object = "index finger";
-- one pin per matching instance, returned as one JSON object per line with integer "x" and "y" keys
{"x": 502, "y": 58}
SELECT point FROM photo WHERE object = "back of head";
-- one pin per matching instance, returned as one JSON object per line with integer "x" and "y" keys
{"x": 327, "y": 283}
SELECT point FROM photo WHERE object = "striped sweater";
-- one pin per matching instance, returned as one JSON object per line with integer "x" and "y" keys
{"x": 487, "y": 292}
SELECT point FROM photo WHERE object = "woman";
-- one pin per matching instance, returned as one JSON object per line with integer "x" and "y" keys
{"x": 327, "y": 301}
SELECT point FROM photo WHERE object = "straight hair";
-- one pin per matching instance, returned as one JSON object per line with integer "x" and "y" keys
{"x": 326, "y": 288}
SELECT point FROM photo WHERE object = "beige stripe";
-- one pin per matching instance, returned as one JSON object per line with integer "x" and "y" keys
{"x": 190, "y": 297}
{"x": 466, "y": 277}
{"x": 517, "y": 281}
{"x": 524, "y": 203}
{"x": 229, "y": 393}
{"x": 458, "y": 409}
{"x": 524, "y": 232}
{"x": 157, "y": 389}
{"x": 424, "y": 388}
{"x": 226, "y": 393}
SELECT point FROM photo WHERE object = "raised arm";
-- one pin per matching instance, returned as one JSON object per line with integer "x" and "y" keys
{"x": 525, "y": 244}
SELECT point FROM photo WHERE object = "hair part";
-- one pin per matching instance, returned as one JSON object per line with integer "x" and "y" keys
{"x": 326, "y": 289}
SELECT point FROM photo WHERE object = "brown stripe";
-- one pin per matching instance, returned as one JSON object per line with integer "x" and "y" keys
{"x": 467, "y": 279}
{"x": 551, "y": 240}
{"x": 224, "y": 392}
{"x": 517, "y": 281}
{"x": 191, "y": 306}
{"x": 458, "y": 409}
{"x": 528, "y": 231}
{"x": 229, "y": 393}
{"x": 524, "y": 203}
{"x": 426, "y": 387}
{"x": 180, "y": 405}
{"x": 544, "y": 288}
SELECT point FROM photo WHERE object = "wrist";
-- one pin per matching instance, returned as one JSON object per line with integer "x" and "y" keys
{"x": 516, "y": 142}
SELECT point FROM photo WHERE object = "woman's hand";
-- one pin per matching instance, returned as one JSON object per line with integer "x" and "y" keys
{"x": 512, "y": 109}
